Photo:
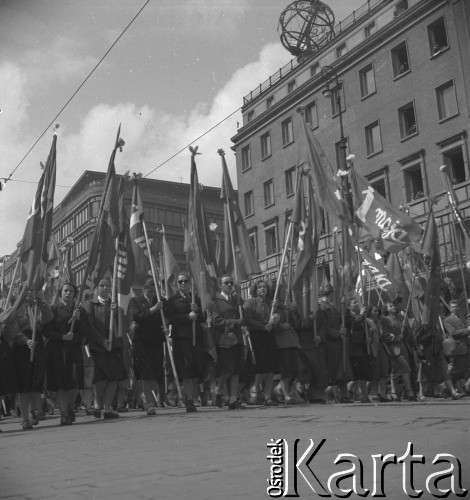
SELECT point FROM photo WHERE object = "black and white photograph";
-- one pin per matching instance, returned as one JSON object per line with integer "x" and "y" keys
{"x": 235, "y": 252}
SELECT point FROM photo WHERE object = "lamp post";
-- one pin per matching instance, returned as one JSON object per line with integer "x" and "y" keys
{"x": 332, "y": 90}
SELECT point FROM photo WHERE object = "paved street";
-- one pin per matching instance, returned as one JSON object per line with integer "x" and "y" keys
{"x": 217, "y": 453}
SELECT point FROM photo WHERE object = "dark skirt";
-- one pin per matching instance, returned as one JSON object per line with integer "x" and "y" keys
{"x": 64, "y": 366}
{"x": 30, "y": 375}
{"x": 288, "y": 362}
{"x": 188, "y": 358}
{"x": 434, "y": 370}
{"x": 265, "y": 349}
{"x": 380, "y": 364}
{"x": 338, "y": 369}
{"x": 8, "y": 383}
{"x": 362, "y": 367}
{"x": 148, "y": 361}
{"x": 109, "y": 366}
{"x": 230, "y": 360}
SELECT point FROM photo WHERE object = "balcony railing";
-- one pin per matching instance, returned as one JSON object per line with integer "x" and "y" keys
{"x": 285, "y": 70}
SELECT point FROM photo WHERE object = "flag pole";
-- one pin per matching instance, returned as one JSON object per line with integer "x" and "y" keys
{"x": 113, "y": 290}
{"x": 162, "y": 314}
{"x": 457, "y": 242}
{"x": 34, "y": 327}
{"x": 235, "y": 265}
{"x": 193, "y": 303}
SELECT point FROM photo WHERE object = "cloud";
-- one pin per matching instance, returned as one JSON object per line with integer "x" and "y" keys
{"x": 151, "y": 136}
{"x": 61, "y": 62}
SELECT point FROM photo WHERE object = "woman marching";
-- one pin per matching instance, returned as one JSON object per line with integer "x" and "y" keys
{"x": 64, "y": 352}
{"x": 29, "y": 355}
{"x": 257, "y": 315}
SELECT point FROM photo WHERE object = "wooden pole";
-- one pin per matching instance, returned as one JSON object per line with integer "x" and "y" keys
{"x": 455, "y": 219}
{"x": 246, "y": 336}
{"x": 162, "y": 314}
{"x": 281, "y": 265}
{"x": 34, "y": 328}
{"x": 193, "y": 303}
{"x": 113, "y": 291}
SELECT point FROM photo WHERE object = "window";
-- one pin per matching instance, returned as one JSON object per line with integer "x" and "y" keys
{"x": 250, "y": 116}
{"x": 291, "y": 86}
{"x": 400, "y": 61}
{"x": 367, "y": 81}
{"x": 373, "y": 138}
{"x": 268, "y": 189}
{"x": 265, "y": 145}
{"x": 446, "y": 100}
{"x": 379, "y": 186}
{"x": 269, "y": 101}
{"x": 455, "y": 161}
{"x": 249, "y": 203}
{"x": 311, "y": 115}
{"x": 341, "y": 150}
{"x": 414, "y": 182}
{"x": 340, "y": 50}
{"x": 246, "y": 158}
{"x": 400, "y": 7}
{"x": 287, "y": 132}
{"x": 314, "y": 69}
{"x": 407, "y": 120}
{"x": 379, "y": 181}
{"x": 290, "y": 181}
{"x": 370, "y": 29}
{"x": 253, "y": 235}
{"x": 270, "y": 238}
{"x": 437, "y": 35}
{"x": 335, "y": 97}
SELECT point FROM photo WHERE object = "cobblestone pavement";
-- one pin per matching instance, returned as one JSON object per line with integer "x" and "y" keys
{"x": 221, "y": 454}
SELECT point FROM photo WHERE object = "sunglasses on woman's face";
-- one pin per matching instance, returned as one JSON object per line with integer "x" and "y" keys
{"x": 227, "y": 283}
{"x": 182, "y": 282}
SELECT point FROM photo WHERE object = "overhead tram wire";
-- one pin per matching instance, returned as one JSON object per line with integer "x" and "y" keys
{"x": 76, "y": 91}
{"x": 192, "y": 142}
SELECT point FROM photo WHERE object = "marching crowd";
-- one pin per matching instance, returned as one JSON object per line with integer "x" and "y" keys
{"x": 234, "y": 354}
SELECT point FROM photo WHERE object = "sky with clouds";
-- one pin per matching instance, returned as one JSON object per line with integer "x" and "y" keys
{"x": 179, "y": 69}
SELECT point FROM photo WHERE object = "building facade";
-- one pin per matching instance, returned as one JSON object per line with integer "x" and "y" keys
{"x": 404, "y": 73}
{"x": 165, "y": 204}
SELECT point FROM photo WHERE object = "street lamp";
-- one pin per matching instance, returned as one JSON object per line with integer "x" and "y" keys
{"x": 332, "y": 90}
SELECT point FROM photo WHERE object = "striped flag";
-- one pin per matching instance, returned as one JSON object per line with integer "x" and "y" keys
{"x": 137, "y": 234}
{"x": 33, "y": 251}
{"x": 125, "y": 263}
{"x": 102, "y": 248}
{"x": 235, "y": 228}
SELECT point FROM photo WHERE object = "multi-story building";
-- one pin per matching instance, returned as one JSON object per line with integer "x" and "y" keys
{"x": 165, "y": 203}
{"x": 404, "y": 73}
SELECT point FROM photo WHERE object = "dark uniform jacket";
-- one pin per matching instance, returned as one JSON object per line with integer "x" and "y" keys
{"x": 145, "y": 325}
{"x": 455, "y": 326}
{"x": 178, "y": 309}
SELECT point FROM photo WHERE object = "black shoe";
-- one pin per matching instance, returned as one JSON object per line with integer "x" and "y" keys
{"x": 122, "y": 409}
{"x": 236, "y": 405}
{"x": 190, "y": 408}
{"x": 97, "y": 413}
{"x": 110, "y": 414}
{"x": 219, "y": 401}
{"x": 71, "y": 414}
{"x": 65, "y": 420}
